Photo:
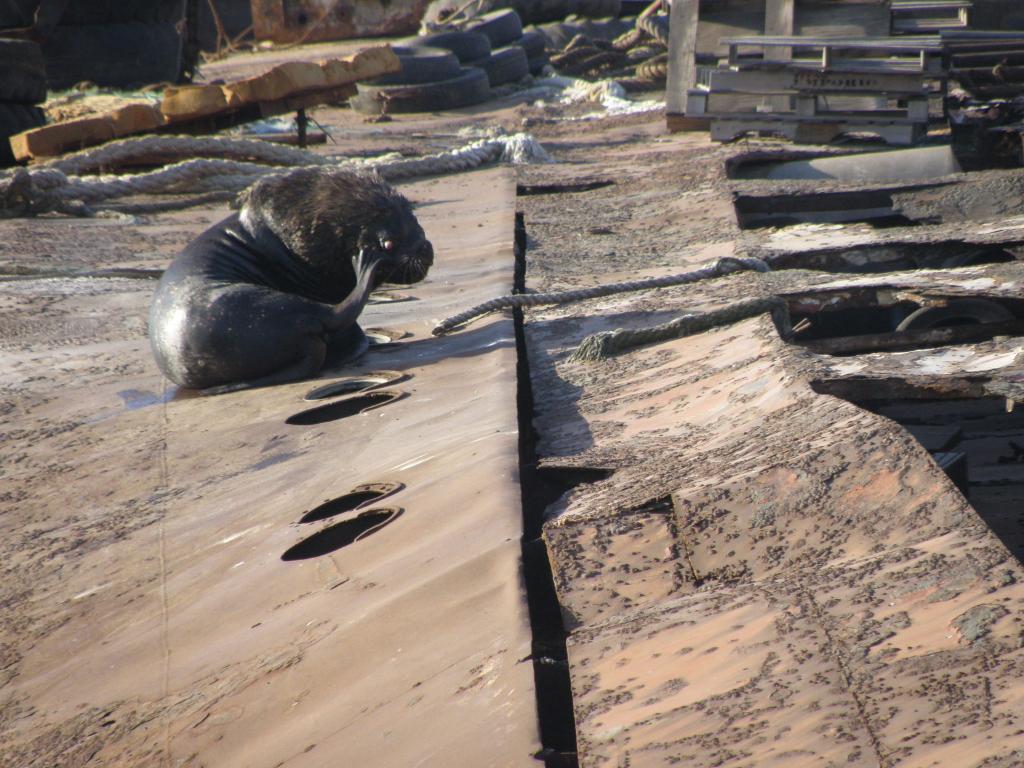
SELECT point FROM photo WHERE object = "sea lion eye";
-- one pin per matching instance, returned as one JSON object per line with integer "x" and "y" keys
{"x": 388, "y": 245}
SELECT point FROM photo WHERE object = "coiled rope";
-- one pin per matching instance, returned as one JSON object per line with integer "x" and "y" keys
{"x": 720, "y": 268}
{"x": 58, "y": 186}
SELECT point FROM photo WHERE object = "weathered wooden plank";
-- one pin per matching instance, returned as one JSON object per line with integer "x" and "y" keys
{"x": 682, "y": 62}
{"x": 900, "y": 340}
{"x": 791, "y": 80}
{"x": 779, "y": 21}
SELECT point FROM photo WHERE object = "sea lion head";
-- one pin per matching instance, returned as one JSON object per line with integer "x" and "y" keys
{"x": 325, "y": 216}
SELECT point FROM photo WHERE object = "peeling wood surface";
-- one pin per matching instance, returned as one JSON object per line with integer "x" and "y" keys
{"x": 770, "y": 575}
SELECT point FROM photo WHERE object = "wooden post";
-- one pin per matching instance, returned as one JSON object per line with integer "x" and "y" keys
{"x": 682, "y": 61}
{"x": 778, "y": 22}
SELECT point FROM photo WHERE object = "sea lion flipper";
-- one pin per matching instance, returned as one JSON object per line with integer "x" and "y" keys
{"x": 346, "y": 347}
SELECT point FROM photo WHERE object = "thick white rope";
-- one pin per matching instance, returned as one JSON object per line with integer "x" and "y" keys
{"x": 55, "y": 187}
{"x": 169, "y": 148}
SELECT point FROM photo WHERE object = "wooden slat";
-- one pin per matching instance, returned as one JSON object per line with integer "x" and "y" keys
{"x": 908, "y": 44}
{"x": 901, "y": 340}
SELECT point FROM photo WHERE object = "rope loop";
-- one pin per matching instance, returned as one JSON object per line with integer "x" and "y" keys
{"x": 217, "y": 164}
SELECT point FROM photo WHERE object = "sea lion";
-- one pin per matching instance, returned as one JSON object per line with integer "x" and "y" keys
{"x": 270, "y": 293}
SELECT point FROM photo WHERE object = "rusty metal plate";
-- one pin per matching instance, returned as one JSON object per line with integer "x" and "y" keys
{"x": 307, "y": 21}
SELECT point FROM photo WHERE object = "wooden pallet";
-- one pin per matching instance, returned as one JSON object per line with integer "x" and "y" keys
{"x": 697, "y": 28}
{"x": 828, "y": 86}
{"x": 918, "y": 54}
{"x": 915, "y": 17}
{"x": 819, "y": 131}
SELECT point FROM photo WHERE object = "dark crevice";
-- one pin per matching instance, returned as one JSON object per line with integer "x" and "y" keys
{"x": 854, "y": 322}
{"x": 552, "y": 682}
{"x": 897, "y": 257}
{"x": 874, "y": 207}
{"x": 557, "y": 189}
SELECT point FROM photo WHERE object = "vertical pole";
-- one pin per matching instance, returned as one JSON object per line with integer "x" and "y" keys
{"x": 301, "y": 122}
{"x": 682, "y": 54}
{"x": 778, "y": 22}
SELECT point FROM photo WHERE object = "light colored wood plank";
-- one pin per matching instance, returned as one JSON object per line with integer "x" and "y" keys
{"x": 682, "y": 62}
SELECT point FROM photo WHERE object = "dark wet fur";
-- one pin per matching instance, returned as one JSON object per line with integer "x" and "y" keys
{"x": 258, "y": 298}
{"x": 325, "y": 215}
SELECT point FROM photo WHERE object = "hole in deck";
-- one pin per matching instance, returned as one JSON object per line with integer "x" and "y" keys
{"x": 555, "y": 189}
{"x": 899, "y": 165}
{"x": 880, "y": 320}
{"x": 383, "y": 337}
{"x": 343, "y": 408}
{"x": 895, "y": 257}
{"x": 874, "y": 207}
{"x": 358, "y": 497}
{"x": 343, "y": 534}
{"x": 354, "y": 384}
{"x": 980, "y": 445}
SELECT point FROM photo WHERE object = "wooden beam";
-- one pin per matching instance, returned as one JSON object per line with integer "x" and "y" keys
{"x": 778, "y": 22}
{"x": 904, "y": 340}
{"x": 682, "y": 46}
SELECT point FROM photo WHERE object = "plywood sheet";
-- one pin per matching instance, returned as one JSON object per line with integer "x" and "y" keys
{"x": 149, "y": 616}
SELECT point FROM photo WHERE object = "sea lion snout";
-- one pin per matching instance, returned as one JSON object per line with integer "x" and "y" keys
{"x": 411, "y": 263}
{"x": 425, "y": 254}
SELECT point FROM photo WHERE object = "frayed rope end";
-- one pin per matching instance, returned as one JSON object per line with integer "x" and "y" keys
{"x": 522, "y": 148}
{"x": 594, "y": 348}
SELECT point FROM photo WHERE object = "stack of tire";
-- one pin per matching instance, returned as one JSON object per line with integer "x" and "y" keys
{"x": 449, "y": 70}
{"x": 513, "y": 54}
{"x": 107, "y": 42}
{"x": 22, "y": 87}
{"x": 117, "y": 44}
{"x": 431, "y": 79}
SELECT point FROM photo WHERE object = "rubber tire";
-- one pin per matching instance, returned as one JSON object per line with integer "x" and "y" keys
{"x": 979, "y": 310}
{"x": 15, "y": 118}
{"x": 22, "y": 72}
{"x": 422, "y": 65}
{"x": 501, "y": 27}
{"x": 17, "y": 13}
{"x": 537, "y": 65}
{"x": 469, "y": 88}
{"x": 505, "y": 65}
{"x": 534, "y": 43}
{"x": 116, "y": 55}
{"x": 81, "y": 12}
{"x": 468, "y": 46}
